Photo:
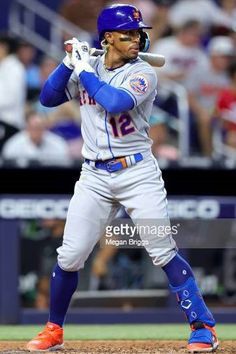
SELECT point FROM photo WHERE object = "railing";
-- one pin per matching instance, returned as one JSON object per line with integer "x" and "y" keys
{"x": 183, "y": 125}
{"x": 23, "y": 17}
{"x": 220, "y": 149}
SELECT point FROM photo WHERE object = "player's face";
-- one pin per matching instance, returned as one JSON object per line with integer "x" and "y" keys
{"x": 126, "y": 43}
{"x": 36, "y": 129}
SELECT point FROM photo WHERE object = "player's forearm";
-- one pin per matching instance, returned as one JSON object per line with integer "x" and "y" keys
{"x": 112, "y": 99}
{"x": 53, "y": 91}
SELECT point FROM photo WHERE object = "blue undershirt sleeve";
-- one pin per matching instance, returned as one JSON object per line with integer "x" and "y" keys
{"x": 113, "y": 100}
{"x": 53, "y": 91}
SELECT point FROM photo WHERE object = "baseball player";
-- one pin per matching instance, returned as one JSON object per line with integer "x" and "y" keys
{"x": 116, "y": 92}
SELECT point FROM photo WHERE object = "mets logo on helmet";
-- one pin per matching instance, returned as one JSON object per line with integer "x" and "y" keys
{"x": 136, "y": 15}
{"x": 139, "y": 84}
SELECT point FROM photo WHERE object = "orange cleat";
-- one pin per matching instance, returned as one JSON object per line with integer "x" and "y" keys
{"x": 51, "y": 338}
{"x": 203, "y": 339}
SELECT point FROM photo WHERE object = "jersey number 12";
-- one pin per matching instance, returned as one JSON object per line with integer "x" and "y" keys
{"x": 122, "y": 125}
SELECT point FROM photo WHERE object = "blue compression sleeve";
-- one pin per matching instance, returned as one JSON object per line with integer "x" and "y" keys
{"x": 114, "y": 100}
{"x": 53, "y": 91}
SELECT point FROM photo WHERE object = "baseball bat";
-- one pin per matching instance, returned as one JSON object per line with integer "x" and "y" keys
{"x": 156, "y": 60}
{"x": 152, "y": 59}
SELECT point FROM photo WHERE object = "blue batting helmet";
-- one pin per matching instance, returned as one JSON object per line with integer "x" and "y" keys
{"x": 119, "y": 17}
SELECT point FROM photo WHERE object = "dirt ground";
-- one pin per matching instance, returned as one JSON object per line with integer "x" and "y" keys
{"x": 118, "y": 347}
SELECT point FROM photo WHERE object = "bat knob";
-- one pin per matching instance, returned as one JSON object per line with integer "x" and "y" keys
{"x": 68, "y": 47}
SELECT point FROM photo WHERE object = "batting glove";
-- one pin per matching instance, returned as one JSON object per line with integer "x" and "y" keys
{"x": 80, "y": 57}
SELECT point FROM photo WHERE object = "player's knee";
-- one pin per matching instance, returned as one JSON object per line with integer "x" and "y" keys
{"x": 69, "y": 264}
{"x": 72, "y": 259}
{"x": 164, "y": 257}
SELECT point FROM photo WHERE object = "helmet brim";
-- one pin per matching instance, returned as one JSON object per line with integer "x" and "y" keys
{"x": 133, "y": 26}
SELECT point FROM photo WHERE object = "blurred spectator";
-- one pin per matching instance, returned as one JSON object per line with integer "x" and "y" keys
{"x": 164, "y": 138}
{"x": 54, "y": 229}
{"x": 182, "y": 51}
{"x": 204, "y": 11}
{"x": 39, "y": 240}
{"x": 204, "y": 85}
{"x": 35, "y": 145}
{"x": 47, "y": 65}
{"x": 63, "y": 120}
{"x": 183, "y": 54}
{"x": 27, "y": 54}
{"x": 84, "y": 15}
{"x": 113, "y": 269}
{"x": 229, "y": 8}
{"x": 36, "y": 74}
{"x": 232, "y": 34}
{"x": 100, "y": 266}
{"x": 12, "y": 89}
{"x": 226, "y": 107}
{"x": 160, "y": 19}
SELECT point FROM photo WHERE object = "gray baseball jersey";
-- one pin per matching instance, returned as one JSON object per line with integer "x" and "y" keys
{"x": 106, "y": 135}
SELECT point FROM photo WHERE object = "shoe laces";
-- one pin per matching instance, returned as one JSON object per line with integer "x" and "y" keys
{"x": 197, "y": 325}
{"x": 47, "y": 331}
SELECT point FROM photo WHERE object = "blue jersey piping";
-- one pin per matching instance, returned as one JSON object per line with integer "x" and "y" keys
{"x": 108, "y": 137}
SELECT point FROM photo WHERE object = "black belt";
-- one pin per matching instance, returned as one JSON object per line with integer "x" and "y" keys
{"x": 116, "y": 164}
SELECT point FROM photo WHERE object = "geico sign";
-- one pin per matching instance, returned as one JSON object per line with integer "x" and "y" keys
{"x": 193, "y": 208}
{"x": 31, "y": 208}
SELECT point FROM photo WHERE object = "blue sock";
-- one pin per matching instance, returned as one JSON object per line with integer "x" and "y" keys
{"x": 183, "y": 284}
{"x": 178, "y": 271}
{"x": 63, "y": 285}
